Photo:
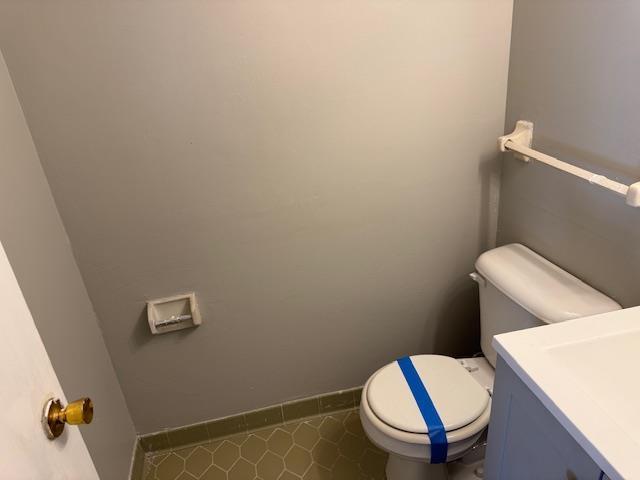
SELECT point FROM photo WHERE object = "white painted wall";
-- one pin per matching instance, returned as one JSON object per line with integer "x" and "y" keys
{"x": 319, "y": 173}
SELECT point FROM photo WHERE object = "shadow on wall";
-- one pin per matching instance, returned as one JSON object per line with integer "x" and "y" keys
{"x": 489, "y": 171}
{"x": 457, "y": 322}
{"x": 457, "y": 319}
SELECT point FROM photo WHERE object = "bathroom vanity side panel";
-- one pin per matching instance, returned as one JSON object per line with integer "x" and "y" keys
{"x": 526, "y": 441}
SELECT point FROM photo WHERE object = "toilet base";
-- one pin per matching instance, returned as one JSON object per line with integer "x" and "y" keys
{"x": 400, "y": 468}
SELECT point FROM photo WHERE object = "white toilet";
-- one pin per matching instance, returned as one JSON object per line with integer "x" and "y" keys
{"x": 518, "y": 289}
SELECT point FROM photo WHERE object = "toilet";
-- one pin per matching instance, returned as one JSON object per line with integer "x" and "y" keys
{"x": 518, "y": 289}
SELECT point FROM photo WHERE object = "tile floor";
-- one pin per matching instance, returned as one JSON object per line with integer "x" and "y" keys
{"x": 326, "y": 447}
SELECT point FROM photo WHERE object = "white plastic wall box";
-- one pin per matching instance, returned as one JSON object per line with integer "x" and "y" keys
{"x": 173, "y": 313}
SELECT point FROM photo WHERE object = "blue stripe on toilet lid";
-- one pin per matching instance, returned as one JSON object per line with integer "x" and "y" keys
{"x": 457, "y": 397}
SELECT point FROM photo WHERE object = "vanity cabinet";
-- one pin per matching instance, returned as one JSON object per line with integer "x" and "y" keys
{"x": 526, "y": 442}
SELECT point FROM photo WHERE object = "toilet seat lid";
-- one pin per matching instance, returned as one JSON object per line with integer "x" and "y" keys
{"x": 458, "y": 398}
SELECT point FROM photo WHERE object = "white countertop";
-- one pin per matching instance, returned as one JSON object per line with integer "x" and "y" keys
{"x": 586, "y": 372}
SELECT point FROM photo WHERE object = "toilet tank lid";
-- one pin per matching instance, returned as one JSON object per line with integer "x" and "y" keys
{"x": 540, "y": 287}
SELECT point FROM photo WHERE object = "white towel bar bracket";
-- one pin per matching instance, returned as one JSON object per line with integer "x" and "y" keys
{"x": 522, "y": 135}
{"x": 519, "y": 142}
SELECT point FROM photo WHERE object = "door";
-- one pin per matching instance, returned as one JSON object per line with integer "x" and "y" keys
{"x": 27, "y": 380}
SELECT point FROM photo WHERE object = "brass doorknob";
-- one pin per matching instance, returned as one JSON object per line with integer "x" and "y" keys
{"x": 55, "y": 415}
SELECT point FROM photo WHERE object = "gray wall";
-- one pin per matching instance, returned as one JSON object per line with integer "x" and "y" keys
{"x": 38, "y": 248}
{"x": 574, "y": 72}
{"x": 318, "y": 172}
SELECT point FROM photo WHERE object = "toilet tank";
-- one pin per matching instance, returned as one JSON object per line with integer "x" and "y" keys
{"x": 520, "y": 289}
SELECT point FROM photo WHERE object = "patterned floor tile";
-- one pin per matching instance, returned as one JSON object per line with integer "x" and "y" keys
{"x": 326, "y": 447}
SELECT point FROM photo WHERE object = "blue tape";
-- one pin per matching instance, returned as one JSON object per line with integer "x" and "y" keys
{"x": 435, "y": 428}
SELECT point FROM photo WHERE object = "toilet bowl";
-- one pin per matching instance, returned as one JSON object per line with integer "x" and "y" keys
{"x": 518, "y": 289}
{"x": 391, "y": 422}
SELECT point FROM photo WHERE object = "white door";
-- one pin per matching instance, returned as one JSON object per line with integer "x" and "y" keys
{"x": 27, "y": 380}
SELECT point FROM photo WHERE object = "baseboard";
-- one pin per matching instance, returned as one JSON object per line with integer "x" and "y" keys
{"x": 240, "y": 423}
